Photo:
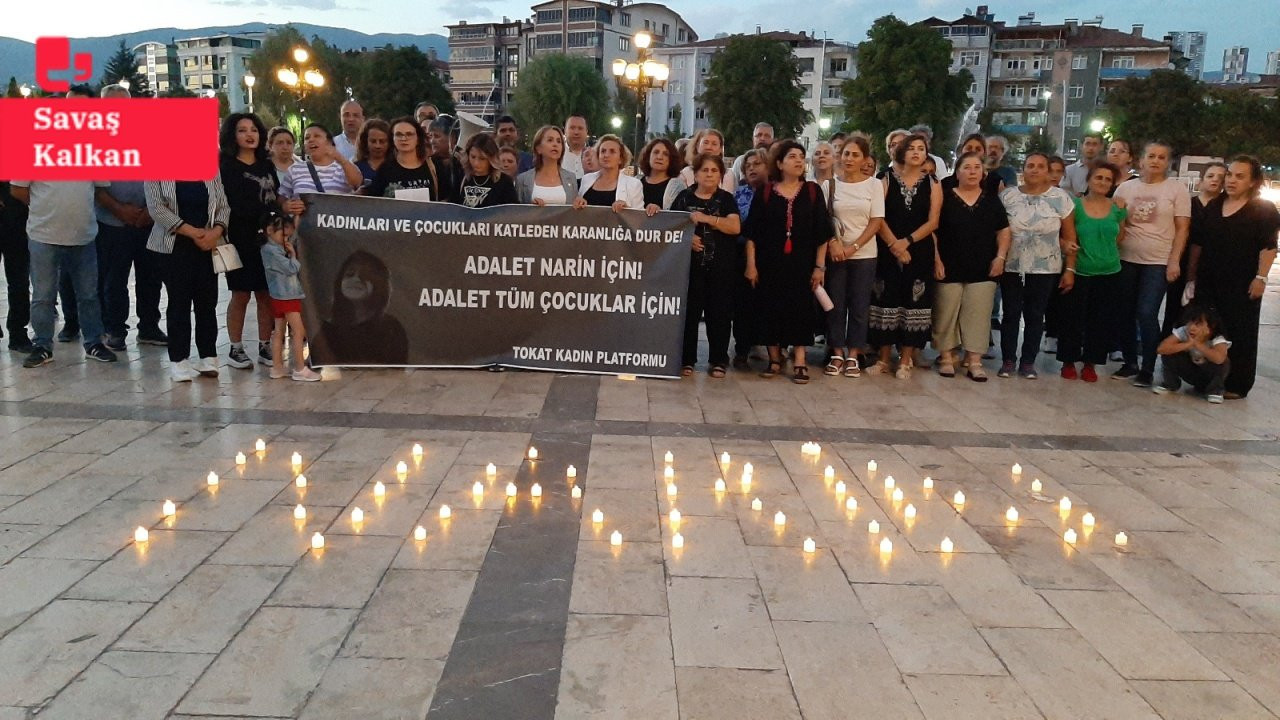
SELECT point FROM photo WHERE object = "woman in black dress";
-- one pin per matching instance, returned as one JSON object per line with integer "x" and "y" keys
{"x": 902, "y": 296}
{"x": 249, "y": 180}
{"x": 1237, "y": 249}
{"x": 787, "y": 231}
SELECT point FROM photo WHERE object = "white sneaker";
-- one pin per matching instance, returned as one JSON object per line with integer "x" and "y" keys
{"x": 306, "y": 374}
{"x": 904, "y": 371}
{"x": 207, "y": 366}
{"x": 1215, "y": 399}
{"x": 181, "y": 371}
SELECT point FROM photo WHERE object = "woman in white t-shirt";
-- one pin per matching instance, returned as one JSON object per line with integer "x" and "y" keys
{"x": 337, "y": 175}
{"x": 856, "y": 200}
{"x": 1155, "y": 235}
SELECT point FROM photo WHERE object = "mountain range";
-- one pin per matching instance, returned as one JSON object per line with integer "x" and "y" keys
{"x": 17, "y": 57}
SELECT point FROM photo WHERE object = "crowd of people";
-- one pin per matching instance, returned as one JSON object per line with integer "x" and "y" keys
{"x": 880, "y": 251}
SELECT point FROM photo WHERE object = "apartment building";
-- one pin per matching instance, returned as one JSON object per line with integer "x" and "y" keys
{"x": 484, "y": 65}
{"x": 970, "y": 36}
{"x": 602, "y": 31}
{"x": 1191, "y": 43}
{"x": 1235, "y": 65}
{"x": 218, "y": 63}
{"x": 158, "y": 63}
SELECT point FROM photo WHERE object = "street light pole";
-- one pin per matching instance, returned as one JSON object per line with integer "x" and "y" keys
{"x": 640, "y": 76}
{"x": 249, "y": 80}
{"x": 300, "y": 80}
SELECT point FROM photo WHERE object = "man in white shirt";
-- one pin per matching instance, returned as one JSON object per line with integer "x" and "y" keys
{"x": 938, "y": 162}
{"x": 575, "y": 137}
{"x": 761, "y": 139}
{"x": 352, "y": 116}
{"x": 1076, "y": 179}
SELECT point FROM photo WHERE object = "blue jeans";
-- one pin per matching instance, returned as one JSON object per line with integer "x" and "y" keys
{"x": 121, "y": 249}
{"x": 1143, "y": 288}
{"x": 81, "y": 264}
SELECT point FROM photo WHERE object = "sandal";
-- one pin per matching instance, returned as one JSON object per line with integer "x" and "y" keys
{"x": 717, "y": 371}
{"x": 686, "y": 371}
{"x": 771, "y": 370}
{"x": 975, "y": 372}
{"x": 946, "y": 368}
{"x": 801, "y": 375}
{"x": 851, "y": 368}
{"x": 835, "y": 366}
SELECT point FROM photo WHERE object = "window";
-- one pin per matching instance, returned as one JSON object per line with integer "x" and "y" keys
{"x": 973, "y": 88}
{"x": 673, "y": 113}
{"x": 512, "y": 77}
{"x": 583, "y": 39}
{"x": 581, "y": 14}
{"x": 624, "y": 19}
{"x": 675, "y": 87}
{"x": 1076, "y": 91}
{"x": 1015, "y": 92}
{"x": 1124, "y": 61}
{"x": 700, "y": 113}
{"x": 550, "y": 40}
{"x": 1038, "y": 91}
{"x": 682, "y": 35}
{"x": 1073, "y": 119}
{"x": 1073, "y": 146}
{"x": 677, "y": 62}
{"x": 624, "y": 44}
{"x": 806, "y": 64}
{"x": 970, "y": 58}
{"x": 1042, "y": 63}
{"x": 646, "y": 24}
{"x": 839, "y": 65}
{"x": 1079, "y": 62}
{"x": 833, "y": 92}
{"x": 548, "y": 16}
{"x": 604, "y": 15}
{"x": 1015, "y": 65}
{"x": 666, "y": 30}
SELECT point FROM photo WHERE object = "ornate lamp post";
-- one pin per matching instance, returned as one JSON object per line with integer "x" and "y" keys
{"x": 301, "y": 80}
{"x": 641, "y": 76}
{"x": 249, "y": 80}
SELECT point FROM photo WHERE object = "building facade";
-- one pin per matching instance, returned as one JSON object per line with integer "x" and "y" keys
{"x": 1235, "y": 65}
{"x": 1273, "y": 63}
{"x": 970, "y": 36}
{"x": 485, "y": 60}
{"x": 218, "y": 64}
{"x": 158, "y": 63}
{"x": 1191, "y": 43}
{"x": 602, "y": 31}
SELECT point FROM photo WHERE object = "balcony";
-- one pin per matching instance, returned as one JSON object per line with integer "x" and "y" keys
{"x": 1003, "y": 101}
{"x": 1123, "y": 73}
{"x": 1026, "y": 44}
{"x": 1001, "y": 72}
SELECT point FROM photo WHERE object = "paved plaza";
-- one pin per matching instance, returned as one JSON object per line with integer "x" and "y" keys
{"x": 522, "y": 608}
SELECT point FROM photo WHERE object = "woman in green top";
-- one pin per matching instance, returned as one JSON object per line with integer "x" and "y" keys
{"x": 1088, "y": 326}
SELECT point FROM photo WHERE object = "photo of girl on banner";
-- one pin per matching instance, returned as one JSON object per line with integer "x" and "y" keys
{"x": 359, "y": 330}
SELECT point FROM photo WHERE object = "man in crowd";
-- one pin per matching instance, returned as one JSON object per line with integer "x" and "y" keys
{"x": 449, "y": 169}
{"x": 66, "y": 289}
{"x": 425, "y": 112}
{"x": 938, "y": 162}
{"x": 761, "y": 139}
{"x": 997, "y": 148}
{"x": 575, "y": 137}
{"x": 507, "y": 133}
{"x": 17, "y": 269}
{"x": 352, "y": 116}
{"x": 123, "y": 228}
{"x": 1076, "y": 180}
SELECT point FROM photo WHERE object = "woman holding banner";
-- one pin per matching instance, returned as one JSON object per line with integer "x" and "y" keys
{"x": 610, "y": 187}
{"x": 659, "y": 164}
{"x": 787, "y": 232}
{"x": 547, "y": 183}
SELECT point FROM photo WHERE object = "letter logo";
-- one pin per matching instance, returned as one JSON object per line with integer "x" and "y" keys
{"x": 53, "y": 55}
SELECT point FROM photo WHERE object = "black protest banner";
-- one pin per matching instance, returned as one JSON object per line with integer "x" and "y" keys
{"x": 398, "y": 283}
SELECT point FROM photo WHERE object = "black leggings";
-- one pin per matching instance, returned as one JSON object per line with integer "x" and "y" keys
{"x": 190, "y": 282}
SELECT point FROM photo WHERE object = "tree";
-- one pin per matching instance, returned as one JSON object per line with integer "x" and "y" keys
{"x": 274, "y": 100}
{"x": 13, "y": 91}
{"x": 754, "y": 79}
{"x": 904, "y": 79}
{"x": 1239, "y": 121}
{"x": 392, "y": 80}
{"x": 123, "y": 65}
{"x": 1166, "y": 105}
{"x": 553, "y": 87}
{"x": 177, "y": 90}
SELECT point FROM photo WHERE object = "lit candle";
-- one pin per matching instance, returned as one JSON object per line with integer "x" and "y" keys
{"x": 357, "y": 516}
{"x": 815, "y": 449}
{"x": 296, "y": 459}
{"x": 379, "y": 490}
{"x": 779, "y": 518}
{"x": 910, "y": 512}
{"x": 402, "y": 468}
{"x": 746, "y": 482}
{"x": 668, "y": 473}
{"x": 168, "y": 509}
{"x": 571, "y": 472}
{"x": 615, "y": 538}
{"x": 851, "y": 503}
{"x": 300, "y": 481}
{"x": 597, "y": 516}
{"x": 511, "y": 489}
{"x": 299, "y": 513}
{"x": 535, "y": 490}
{"x": 141, "y": 535}
{"x": 417, "y": 451}
{"x": 490, "y": 469}
{"x": 889, "y": 482}
{"x": 871, "y": 466}
{"x": 576, "y": 493}
{"x": 724, "y": 458}
{"x": 1070, "y": 536}
{"x": 1087, "y": 520}
{"x": 241, "y": 459}
{"x": 810, "y": 545}
{"x": 478, "y": 488}
{"x": 1017, "y": 470}
{"x": 928, "y": 483}
{"x": 748, "y": 469}
{"x": 1064, "y": 505}
{"x": 419, "y": 533}
{"x": 668, "y": 458}
{"x": 829, "y": 474}
{"x": 445, "y": 512}
{"x": 947, "y": 545}
{"x": 1122, "y": 539}
{"x": 212, "y": 478}
{"x": 886, "y": 546}
{"x": 840, "y": 487}
{"x": 1036, "y": 485}
{"x": 1011, "y": 514}
{"x": 959, "y": 498}
{"x": 757, "y": 505}
{"x": 260, "y": 445}
{"x": 897, "y": 495}
{"x": 317, "y": 541}
{"x": 677, "y": 541}
{"x": 674, "y": 516}
{"x": 533, "y": 453}
{"x": 671, "y": 489}
{"x": 720, "y": 485}
{"x": 873, "y": 527}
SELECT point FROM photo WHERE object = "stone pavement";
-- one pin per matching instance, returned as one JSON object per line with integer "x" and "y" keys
{"x": 521, "y": 608}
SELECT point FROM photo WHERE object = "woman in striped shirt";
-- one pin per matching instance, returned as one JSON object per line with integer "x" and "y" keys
{"x": 325, "y": 170}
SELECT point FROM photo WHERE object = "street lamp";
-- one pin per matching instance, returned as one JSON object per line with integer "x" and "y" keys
{"x": 616, "y": 122}
{"x": 824, "y": 124}
{"x": 1097, "y": 125}
{"x": 249, "y": 80}
{"x": 124, "y": 83}
{"x": 300, "y": 80}
{"x": 640, "y": 76}
{"x": 25, "y": 90}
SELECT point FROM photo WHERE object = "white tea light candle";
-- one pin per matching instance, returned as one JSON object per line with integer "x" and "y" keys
{"x": 417, "y": 450}
{"x": 1122, "y": 539}
{"x": 671, "y": 489}
{"x": 669, "y": 458}
{"x": 140, "y": 535}
{"x": 897, "y": 495}
{"x": 300, "y": 481}
{"x": 535, "y": 490}
{"x": 478, "y": 488}
{"x": 260, "y": 446}
{"x": 490, "y": 469}
{"x": 299, "y": 513}
{"x": 809, "y": 545}
{"x": 910, "y": 512}
{"x": 571, "y": 472}
{"x": 756, "y": 504}
{"x": 211, "y": 478}
{"x": 402, "y": 468}
{"x": 677, "y": 541}
{"x": 445, "y": 512}
{"x": 1037, "y": 486}
{"x": 575, "y": 493}
{"x": 597, "y": 516}
{"x": 357, "y": 516}
{"x": 841, "y": 487}
{"x": 296, "y": 459}
{"x": 168, "y": 509}
{"x": 889, "y": 482}
{"x": 1070, "y": 536}
{"x": 779, "y": 518}
{"x": 959, "y": 498}
{"x": 871, "y": 466}
{"x": 379, "y": 489}
{"x": 674, "y": 516}
{"x": 615, "y": 538}
{"x": 1087, "y": 520}
{"x": 511, "y": 489}
{"x": 317, "y": 541}
{"x": 533, "y": 453}
{"x": 947, "y": 546}
{"x": 720, "y": 485}
{"x": 724, "y": 458}
{"x": 241, "y": 459}
{"x": 1011, "y": 514}
{"x": 851, "y": 503}
{"x": 1017, "y": 469}
{"x": 873, "y": 527}
{"x": 419, "y": 533}
{"x": 1064, "y": 505}
{"x": 928, "y": 483}
{"x": 886, "y": 546}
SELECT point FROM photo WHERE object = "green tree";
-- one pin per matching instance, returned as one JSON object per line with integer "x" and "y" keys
{"x": 274, "y": 100}
{"x": 392, "y": 80}
{"x": 904, "y": 79}
{"x": 123, "y": 65}
{"x": 754, "y": 79}
{"x": 553, "y": 87}
{"x": 13, "y": 91}
{"x": 1166, "y": 105}
{"x": 177, "y": 90}
{"x": 1239, "y": 121}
